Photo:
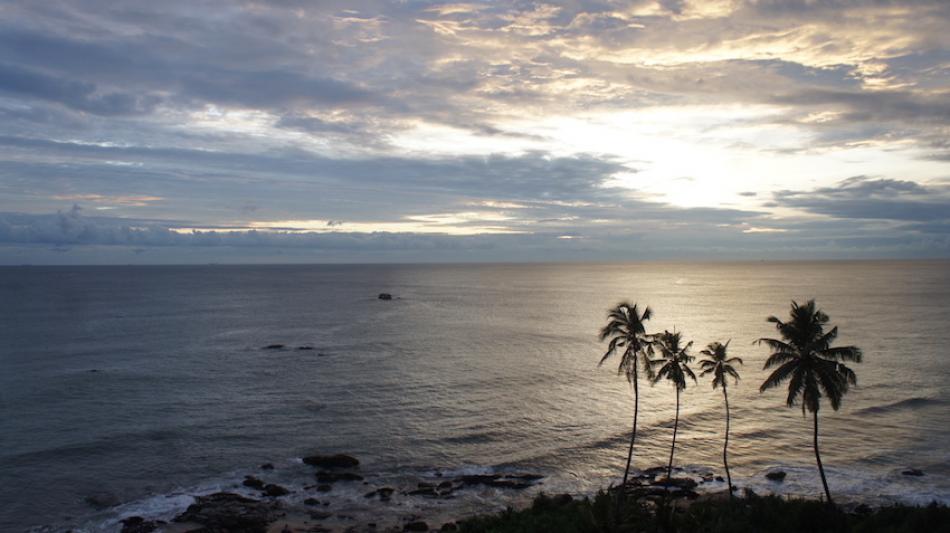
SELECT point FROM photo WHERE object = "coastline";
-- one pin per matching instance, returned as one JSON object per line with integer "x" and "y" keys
{"x": 440, "y": 501}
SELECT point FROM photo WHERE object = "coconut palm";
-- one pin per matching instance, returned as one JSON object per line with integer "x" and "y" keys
{"x": 674, "y": 366}
{"x": 720, "y": 365}
{"x": 805, "y": 358}
{"x": 628, "y": 339}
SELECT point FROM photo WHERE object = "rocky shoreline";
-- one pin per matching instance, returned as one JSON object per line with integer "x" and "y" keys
{"x": 271, "y": 509}
{"x": 276, "y": 508}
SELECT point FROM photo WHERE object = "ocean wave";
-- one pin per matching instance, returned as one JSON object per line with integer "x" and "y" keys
{"x": 908, "y": 403}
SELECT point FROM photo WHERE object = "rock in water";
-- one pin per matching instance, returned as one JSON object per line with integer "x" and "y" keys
{"x": 224, "y": 511}
{"x": 253, "y": 482}
{"x": 777, "y": 475}
{"x": 913, "y": 472}
{"x": 274, "y": 491}
{"x": 137, "y": 524}
{"x": 274, "y": 347}
{"x": 333, "y": 477}
{"x": 332, "y": 461}
{"x": 385, "y": 296}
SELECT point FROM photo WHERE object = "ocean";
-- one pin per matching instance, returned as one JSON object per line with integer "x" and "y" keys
{"x": 129, "y": 390}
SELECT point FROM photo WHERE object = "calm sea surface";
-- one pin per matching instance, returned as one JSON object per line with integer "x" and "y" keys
{"x": 127, "y": 390}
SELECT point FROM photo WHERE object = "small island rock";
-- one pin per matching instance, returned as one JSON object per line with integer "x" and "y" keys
{"x": 332, "y": 461}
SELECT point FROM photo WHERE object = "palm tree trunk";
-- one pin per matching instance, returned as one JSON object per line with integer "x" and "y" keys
{"x": 676, "y": 423}
{"x": 821, "y": 469}
{"x": 725, "y": 447}
{"x": 633, "y": 434}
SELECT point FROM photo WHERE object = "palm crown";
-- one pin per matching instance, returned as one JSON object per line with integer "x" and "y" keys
{"x": 674, "y": 359}
{"x": 805, "y": 358}
{"x": 718, "y": 364}
{"x": 626, "y": 331}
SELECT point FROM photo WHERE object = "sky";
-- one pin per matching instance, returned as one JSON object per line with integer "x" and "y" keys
{"x": 288, "y": 131}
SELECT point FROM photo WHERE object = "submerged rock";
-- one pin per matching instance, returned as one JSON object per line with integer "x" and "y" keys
{"x": 224, "y": 511}
{"x": 913, "y": 472}
{"x": 502, "y": 481}
{"x": 267, "y": 466}
{"x": 339, "y": 460}
{"x": 305, "y": 348}
{"x": 333, "y": 477}
{"x": 102, "y": 500}
{"x": 274, "y": 347}
{"x": 777, "y": 475}
{"x": 384, "y": 493}
{"x": 385, "y": 296}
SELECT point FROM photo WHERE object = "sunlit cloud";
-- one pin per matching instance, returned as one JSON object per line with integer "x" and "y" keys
{"x": 313, "y": 125}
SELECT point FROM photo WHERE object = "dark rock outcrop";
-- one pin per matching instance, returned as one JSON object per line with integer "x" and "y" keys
{"x": 684, "y": 483}
{"x": 137, "y": 524}
{"x": 274, "y": 491}
{"x": 225, "y": 511}
{"x": 913, "y": 472}
{"x": 274, "y": 347}
{"x": 339, "y": 460}
{"x": 253, "y": 482}
{"x": 267, "y": 466}
{"x": 385, "y": 296}
{"x": 777, "y": 475}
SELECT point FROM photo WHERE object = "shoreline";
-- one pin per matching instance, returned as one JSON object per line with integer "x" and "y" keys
{"x": 439, "y": 502}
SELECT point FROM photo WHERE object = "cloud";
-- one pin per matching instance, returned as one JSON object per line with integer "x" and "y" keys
{"x": 574, "y": 119}
{"x": 862, "y": 197}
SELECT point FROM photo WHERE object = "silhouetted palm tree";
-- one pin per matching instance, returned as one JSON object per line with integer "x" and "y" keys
{"x": 812, "y": 367}
{"x": 720, "y": 366}
{"x": 673, "y": 365}
{"x": 626, "y": 331}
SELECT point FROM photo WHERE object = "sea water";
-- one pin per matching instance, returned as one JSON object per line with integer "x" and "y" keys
{"x": 129, "y": 390}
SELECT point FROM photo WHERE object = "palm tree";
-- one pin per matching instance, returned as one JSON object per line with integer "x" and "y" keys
{"x": 673, "y": 365}
{"x": 720, "y": 366}
{"x": 628, "y": 338}
{"x": 812, "y": 367}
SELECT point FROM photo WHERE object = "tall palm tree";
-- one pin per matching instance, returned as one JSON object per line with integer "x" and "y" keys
{"x": 674, "y": 366}
{"x": 805, "y": 358}
{"x": 720, "y": 365}
{"x": 628, "y": 338}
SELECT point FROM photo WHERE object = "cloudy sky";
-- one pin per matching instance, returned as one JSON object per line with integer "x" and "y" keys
{"x": 361, "y": 131}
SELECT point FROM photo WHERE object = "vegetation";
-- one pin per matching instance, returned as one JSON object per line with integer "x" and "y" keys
{"x": 628, "y": 338}
{"x": 765, "y": 514}
{"x": 720, "y": 365}
{"x": 813, "y": 368}
{"x": 674, "y": 366}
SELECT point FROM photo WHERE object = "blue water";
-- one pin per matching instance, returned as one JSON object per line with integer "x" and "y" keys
{"x": 127, "y": 390}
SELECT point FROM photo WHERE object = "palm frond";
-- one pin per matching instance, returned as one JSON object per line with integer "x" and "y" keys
{"x": 779, "y": 375}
